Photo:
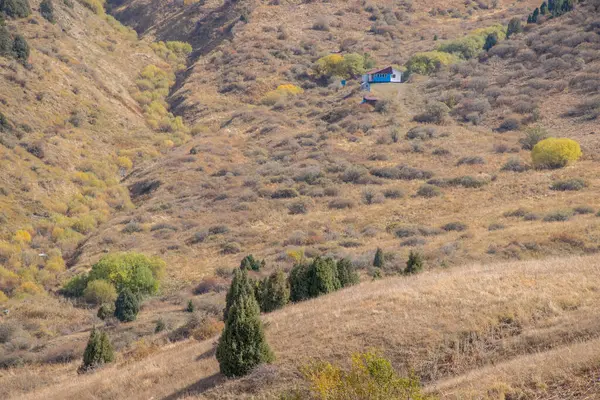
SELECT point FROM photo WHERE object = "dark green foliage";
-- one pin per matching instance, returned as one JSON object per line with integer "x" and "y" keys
{"x": 379, "y": 260}
{"x": 414, "y": 263}
{"x": 346, "y": 273}
{"x": 47, "y": 10}
{"x": 320, "y": 277}
{"x": 273, "y": 292}
{"x": 240, "y": 285}
{"x": 98, "y": 351}
{"x": 105, "y": 311}
{"x": 514, "y": 26}
{"x": 242, "y": 345}
{"x": 544, "y": 8}
{"x": 535, "y": 15}
{"x": 190, "y": 306}
{"x": 160, "y": 326}
{"x": 6, "y": 44}
{"x": 15, "y": 8}
{"x": 490, "y": 41}
{"x": 298, "y": 280}
{"x": 127, "y": 306}
{"x": 251, "y": 263}
{"x": 75, "y": 286}
{"x": 551, "y": 5}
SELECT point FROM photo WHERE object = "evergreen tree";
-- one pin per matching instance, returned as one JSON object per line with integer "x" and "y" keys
{"x": 544, "y": 8}
{"x": 21, "y": 48}
{"x": 127, "y": 306}
{"x": 529, "y": 19}
{"x": 251, "y": 263}
{"x": 535, "y": 15}
{"x": 322, "y": 277}
{"x": 6, "y": 42}
{"x": 346, "y": 273}
{"x": 551, "y": 5}
{"x": 298, "y": 280}
{"x": 240, "y": 285}
{"x": 414, "y": 263}
{"x": 242, "y": 345}
{"x": 15, "y": 8}
{"x": 98, "y": 351}
{"x": 379, "y": 260}
{"x": 514, "y": 26}
{"x": 190, "y": 306}
{"x": 47, "y": 10}
{"x": 273, "y": 292}
{"x": 490, "y": 41}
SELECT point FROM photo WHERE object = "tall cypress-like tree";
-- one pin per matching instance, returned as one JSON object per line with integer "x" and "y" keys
{"x": 544, "y": 8}
{"x": 379, "y": 260}
{"x": 490, "y": 41}
{"x": 275, "y": 292}
{"x": 535, "y": 15}
{"x": 240, "y": 285}
{"x": 127, "y": 306}
{"x": 242, "y": 345}
{"x": 346, "y": 273}
{"x": 98, "y": 351}
{"x": 298, "y": 279}
{"x": 322, "y": 277}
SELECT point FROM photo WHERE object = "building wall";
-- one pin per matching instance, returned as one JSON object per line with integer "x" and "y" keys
{"x": 381, "y": 78}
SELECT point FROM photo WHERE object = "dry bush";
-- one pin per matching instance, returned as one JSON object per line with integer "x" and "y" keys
{"x": 210, "y": 284}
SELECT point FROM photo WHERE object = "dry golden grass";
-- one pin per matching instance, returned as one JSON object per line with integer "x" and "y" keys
{"x": 469, "y": 332}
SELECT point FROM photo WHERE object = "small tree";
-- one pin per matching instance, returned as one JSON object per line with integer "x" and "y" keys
{"x": 251, "y": 263}
{"x": 98, "y": 351}
{"x": 298, "y": 280}
{"x": 6, "y": 43}
{"x": 414, "y": 263}
{"x": 322, "y": 277}
{"x": 127, "y": 306}
{"x": 544, "y": 8}
{"x": 242, "y": 345}
{"x": 514, "y": 26}
{"x": 21, "y": 49}
{"x": 275, "y": 292}
{"x": 535, "y": 15}
{"x": 490, "y": 41}
{"x": 100, "y": 292}
{"x": 240, "y": 285}
{"x": 346, "y": 273}
{"x": 15, "y": 8}
{"x": 379, "y": 260}
{"x": 47, "y": 10}
{"x": 190, "y": 306}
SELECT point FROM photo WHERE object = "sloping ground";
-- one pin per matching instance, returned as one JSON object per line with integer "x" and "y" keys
{"x": 528, "y": 328}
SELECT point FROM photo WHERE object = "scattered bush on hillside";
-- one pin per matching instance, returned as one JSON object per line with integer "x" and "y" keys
{"x": 515, "y": 165}
{"x": 252, "y": 264}
{"x": 589, "y": 109}
{"x": 435, "y": 113}
{"x": 428, "y": 191}
{"x": 414, "y": 264}
{"x": 555, "y": 153}
{"x": 336, "y": 65}
{"x": 98, "y": 351}
{"x": 490, "y": 41}
{"x": 21, "y": 49}
{"x": 100, "y": 292}
{"x": 96, "y": 6}
{"x": 127, "y": 306}
{"x": 509, "y": 124}
{"x": 6, "y": 43}
{"x": 471, "y": 45}
{"x": 583, "y": 210}
{"x": 370, "y": 377}
{"x": 322, "y": 276}
{"x": 454, "y": 227}
{"x": 471, "y": 160}
{"x": 379, "y": 259}
{"x": 532, "y": 137}
{"x": 402, "y": 172}
{"x": 569, "y": 185}
{"x": 514, "y": 27}
{"x": 242, "y": 345}
{"x": 15, "y": 8}
{"x": 47, "y": 10}
{"x": 426, "y": 63}
{"x": 321, "y": 25}
{"x": 282, "y": 92}
{"x": 173, "y": 52}
{"x": 558, "y": 216}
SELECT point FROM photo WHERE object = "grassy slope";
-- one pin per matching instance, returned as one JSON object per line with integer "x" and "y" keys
{"x": 470, "y": 332}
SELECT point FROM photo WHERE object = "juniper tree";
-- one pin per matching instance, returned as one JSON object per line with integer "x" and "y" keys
{"x": 535, "y": 15}
{"x": 322, "y": 277}
{"x": 47, "y": 10}
{"x": 414, "y": 263}
{"x": 275, "y": 292}
{"x": 190, "y": 306}
{"x": 514, "y": 26}
{"x": 98, "y": 351}
{"x": 379, "y": 260}
{"x": 242, "y": 345}
{"x": 127, "y": 306}
{"x": 240, "y": 285}
{"x": 490, "y": 41}
{"x": 251, "y": 263}
{"x": 346, "y": 273}
{"x": 544, "y": 8}
{"x": 298, "y": 280}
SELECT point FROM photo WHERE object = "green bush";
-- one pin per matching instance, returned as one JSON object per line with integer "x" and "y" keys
{"x": 127, "y": 306}
{"x": 514, "y": 27}
{"x": 274, "y": 292}
{"x": 471, "y": 45}
{"x": 100, "y": 292}
{"x": 569, "y": 185}
{"x": 346, "y": 273}
{"x": 532, "y": 137}
{"x": 6, "y": 43}
{"x": 348, "y": 66}
{"x": 426, "y": 63}
{"x": 555, "y": 153}
{"x": 379, "y": 259}
{"x": 251, "y": 263}
{"x": 47, "y": 10}
{"x": 414, "y": 264}
{"x": 98, "y": 351}
{"x": 15, "y": 8}
{"x": 136, "y": 272}
{"x": 314, "y": 279}
{"x": 435, "y": 112}
{"x": 75, "y": 286}
{"x": 242, "y": 345}
{"x": 21, "y": 49}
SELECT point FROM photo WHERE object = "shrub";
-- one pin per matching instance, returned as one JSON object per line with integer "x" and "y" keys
{"x": 454, "y": 226}
{"x": 435, "y": 112}
{"x": 251, "y": 263}
{"x": 231, "y": 248}
{"x": 414, "y": 264}
{"x": 5, "y": 51}
{"x": 321, "y": 25}
{"x": 346, "y": 273}
{"x": 134, "y": 271}
{"x": 401, "y": 172}
{"x": 127, "y": 306}
{"x": 347, "y": 66}
{"x": 420, "y": 132}
{"x": 47, "y": 10}
{"x": 582, "y": 210}
{"x": 469, "y": 46}
{"x": 273, "y": 292}
{"x": 471, "y": 160}
{"x": 379, "y": 259}
{"x": 393, "y": 193}
{"x": 558, "y": 216}
{"x": 428, "y": 191}
{"x": 240, "y": 284}
{"x": 98, "y": 351}
{"x": 490, "y": 41}
{"x": 515, "y": 165}
{"x": 242, "y": 345}
{"x": 509, "y": 124}
{"x": 426, "y": 63}
{"x": 298, "y": 207}
{"x": 211, "y": 284}
{"x": 190, "y": 306}
{"x": 495, "y": 227}
{"x": 555, "y": 153}
{"x": 532, "y": 137}
{"x": 75, "y": 287}
{"x": 105, "y": 311}
{"x": 341, "y": 204}
{"x": 21, "y": 49}
{"x": 284, "y": 194}
{"x": 569, "y": 185}
{"x": 314, "y": 279}
{"x": 514, "y": 27}
{"x": 15, "y": 8}
{"x": 100, "y": 292}
{"x": 370, "y": 377}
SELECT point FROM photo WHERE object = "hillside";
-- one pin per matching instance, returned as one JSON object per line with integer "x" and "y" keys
{"x": 509, "y": 329}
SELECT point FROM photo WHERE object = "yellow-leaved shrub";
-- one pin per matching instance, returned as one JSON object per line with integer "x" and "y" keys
{"x": 555, "y": 153}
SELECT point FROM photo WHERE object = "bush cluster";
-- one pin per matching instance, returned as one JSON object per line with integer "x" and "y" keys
{"x": 348, "y": 66}
{"x": 321, "y": 276}
{"x": 15, "y": 8}
{"x": 173, "y": 52}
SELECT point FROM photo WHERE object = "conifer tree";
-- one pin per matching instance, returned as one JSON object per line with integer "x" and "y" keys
{"x": 379, "y": 260}
{"x": 414, "y": 263}
{"x": 298, "y": 280}
{"x": 47, "y": 10}
{"x": 346, "y": 273}
{"x": 239, "y": 285}
{"x": 322, "y": 277}
{"x": 514, "y": 26}
{"x": 127, "y": 306}
{"x": 242, "y": 345}
{"x": 98, "y": 351}
{"x": 544, "y": 8}
{"x": 276, "y": 292}
{"x": 535, "y": 15}
{"x": 190, "y": 306}
{"x": 490, "y": 41}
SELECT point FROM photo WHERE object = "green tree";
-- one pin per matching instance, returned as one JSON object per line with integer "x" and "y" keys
{"x": 514, "y": 27}
{"x": 127, "y": 306}
{"x": 243, "y": 345}
{"x": 21, "y": 49}
{"x": 47, "y": 10}
{"x": 298, "y": 280}
{"x": 251, "y": 263}
{"x": 100, "y": 292}
{"x": 6, "y": 42}
{"x": 544, "y": 8}
{"x": 379, "y": 259}
{"x": 275, "y": 292}
{"x": 240, "y": 286}
{"x": 346, "y": 273}
{"x": 98, "y": 351}
{"x": 190, "y": 306}
{"x": 322, "y": 277}
{"x": 490, "y": 41}
{"x": 535, "y": 15}
{"x": 414, "y": 263}
{"x": 15, "y": 8}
